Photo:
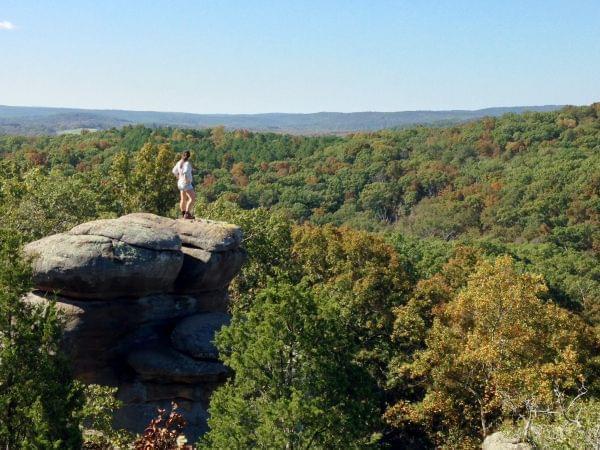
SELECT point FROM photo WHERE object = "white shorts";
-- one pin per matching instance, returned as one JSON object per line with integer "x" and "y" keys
{"x": 183, "y": 186}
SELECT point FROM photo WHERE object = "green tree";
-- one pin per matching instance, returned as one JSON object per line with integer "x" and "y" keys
{"x": 121, "y": 182}
{"x": 97, "y": 419}
{"x": 295, "y": 385}
{"x": 379, "y": 198}
{"x": 39, "y": 401}
{"x": 266, "y": 238}
{"x": 362, "y": 278}
{"x": 37, "y": 204}
{"x": 152, "y": 178}
{"x": 144, "y": 181}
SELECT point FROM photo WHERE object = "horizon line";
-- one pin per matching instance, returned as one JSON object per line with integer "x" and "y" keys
{"x": 290, "y": 113}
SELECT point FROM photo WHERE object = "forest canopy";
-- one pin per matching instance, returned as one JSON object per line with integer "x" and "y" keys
{"x": 394, "y": 250}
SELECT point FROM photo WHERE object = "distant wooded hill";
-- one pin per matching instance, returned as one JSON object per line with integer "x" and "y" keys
{"x": 41, "y": 120}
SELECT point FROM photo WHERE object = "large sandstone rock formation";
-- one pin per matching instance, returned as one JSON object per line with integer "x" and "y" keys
{"x": 143, "y": 296}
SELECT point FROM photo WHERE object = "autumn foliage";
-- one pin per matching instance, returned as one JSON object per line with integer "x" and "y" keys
{"x": 162, "y": 432}
{"x": 492, "y": 350}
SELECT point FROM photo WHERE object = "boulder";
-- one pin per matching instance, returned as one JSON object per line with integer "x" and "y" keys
{"x": 131, "y": 232}
{"x": 98, "y": 333}
{"x": 209, "y": 235}
{"x": 163, "y": 364}
{"x": 142, "y": 297}
{"x": 194, "y": 335}
{"x": 501, "y": 441}
{"x": 108, "y": 264}
{"x": 206, "y": 271}
{"x": 148, "y": 219}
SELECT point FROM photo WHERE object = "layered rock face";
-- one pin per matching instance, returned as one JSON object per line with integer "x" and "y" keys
{"x": 143, "y": 296}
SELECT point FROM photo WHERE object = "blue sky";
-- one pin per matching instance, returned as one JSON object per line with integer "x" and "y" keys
{"x": 226, "y": 56}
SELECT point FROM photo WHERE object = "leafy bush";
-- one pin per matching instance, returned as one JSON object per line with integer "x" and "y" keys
{"x": 39, "y": 401}
{"x": 97, "y": 421}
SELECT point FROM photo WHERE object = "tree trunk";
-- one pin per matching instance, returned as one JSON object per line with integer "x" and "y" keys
{"x": 484, "y": 429}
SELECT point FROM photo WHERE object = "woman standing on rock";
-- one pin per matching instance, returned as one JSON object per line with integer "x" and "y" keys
{"x": 183, "y": 172}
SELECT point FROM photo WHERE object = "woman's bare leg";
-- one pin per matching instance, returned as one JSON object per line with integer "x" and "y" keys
{"x": 182, "y": 201}
{"x": 191, "y": 198}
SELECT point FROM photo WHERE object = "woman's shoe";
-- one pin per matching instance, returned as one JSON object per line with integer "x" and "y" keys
{"x": 187, "y": 215}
